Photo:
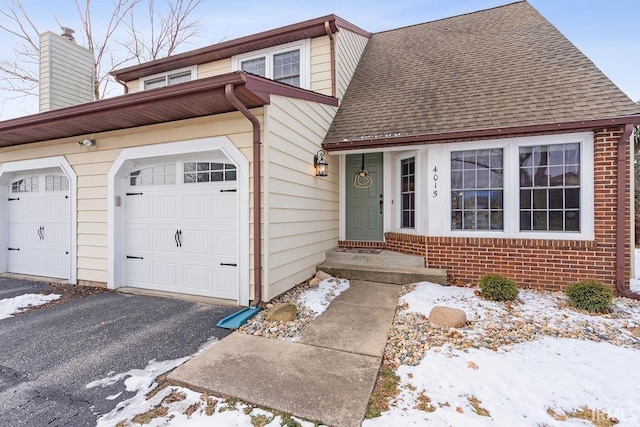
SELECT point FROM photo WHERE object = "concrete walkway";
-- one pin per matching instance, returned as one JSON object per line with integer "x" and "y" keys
{"x": 326, "y": 376}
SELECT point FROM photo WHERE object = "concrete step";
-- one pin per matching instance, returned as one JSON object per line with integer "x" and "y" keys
{"x": 396, "y": 275}
{"x": 382, "y": 259}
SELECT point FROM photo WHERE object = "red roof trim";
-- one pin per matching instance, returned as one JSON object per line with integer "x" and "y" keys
{"x": 299, "y": 31}
{"x": 435, "y": 138}
{"x": 192, "y": 99}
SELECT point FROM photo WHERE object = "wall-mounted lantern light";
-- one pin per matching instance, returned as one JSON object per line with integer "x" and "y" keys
{"x": 87, "y": 143}
{"x": 320, "y": 164}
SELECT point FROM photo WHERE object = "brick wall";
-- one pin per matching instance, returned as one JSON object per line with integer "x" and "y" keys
{"x": 540, "y": 264}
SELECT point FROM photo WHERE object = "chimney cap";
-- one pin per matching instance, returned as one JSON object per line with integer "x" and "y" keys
{"x": 67, "y": 33}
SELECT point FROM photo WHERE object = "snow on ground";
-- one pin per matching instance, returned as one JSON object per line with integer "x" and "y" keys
{"x": 533, "y": 383}
{"x": 527, "y": 384}
{"x": 11, "y": 306}
{"x": 317, "y": 299}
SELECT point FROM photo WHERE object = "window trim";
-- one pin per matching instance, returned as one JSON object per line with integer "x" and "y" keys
{"x": 511, "y": 190}
{"x": 397, "y": 193}
{"x": 166, "y": 75}
{"x": 305, "y": 67}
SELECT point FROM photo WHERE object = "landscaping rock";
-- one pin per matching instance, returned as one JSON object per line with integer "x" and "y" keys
{"x": 322, "y": 275}
{"x": 447, "y": 317}
{"x": 315, "y": 281}
{"x": 285, "y": 312}
{"x": 636, "y": 332}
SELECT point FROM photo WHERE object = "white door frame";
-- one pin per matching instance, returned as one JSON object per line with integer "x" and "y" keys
{"x": 7, "y": 172}
{"x": 116, "y": 188}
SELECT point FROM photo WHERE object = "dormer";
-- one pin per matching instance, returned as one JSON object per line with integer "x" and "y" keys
{"x": 318, "y": 55}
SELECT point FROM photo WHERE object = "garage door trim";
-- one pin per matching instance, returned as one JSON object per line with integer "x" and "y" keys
{"x": 7, "y": 172}
{"x": 116, "y": 218}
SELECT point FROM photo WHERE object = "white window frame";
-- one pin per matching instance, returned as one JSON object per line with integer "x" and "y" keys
{"x": 166, "y": 75}
{"x": 511, "y": 190}
{"x": 397, "y": 192}
{"x": 305, "y": 67}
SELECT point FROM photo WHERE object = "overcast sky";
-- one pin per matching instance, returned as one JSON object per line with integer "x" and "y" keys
{"x": 605, "y": 30}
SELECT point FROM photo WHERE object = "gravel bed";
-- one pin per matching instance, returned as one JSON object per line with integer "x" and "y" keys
{"x": 495, "y": 326}
{"x": 324, "y": 292}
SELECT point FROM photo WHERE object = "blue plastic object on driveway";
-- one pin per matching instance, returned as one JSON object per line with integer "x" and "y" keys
{"x": 235, "y": 320}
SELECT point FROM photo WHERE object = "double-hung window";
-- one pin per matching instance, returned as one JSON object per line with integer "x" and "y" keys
{"x": 285, "y": 63}
{"x": 528, "y": 187}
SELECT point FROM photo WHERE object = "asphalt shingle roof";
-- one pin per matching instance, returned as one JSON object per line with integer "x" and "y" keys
{"x": 501, "y": 67}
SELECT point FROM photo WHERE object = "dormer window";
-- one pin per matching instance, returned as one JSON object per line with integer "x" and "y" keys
{"x": 166, "y": 79}
{"x": 285, "y": 63}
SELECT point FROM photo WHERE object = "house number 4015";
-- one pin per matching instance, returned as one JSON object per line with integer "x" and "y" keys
{"x": 435, "y": 182}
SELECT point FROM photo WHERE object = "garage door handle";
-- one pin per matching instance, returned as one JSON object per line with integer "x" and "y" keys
{"x": 14, "y": 249}
{"x": 41, "y": 232}
{"x": 229, "y": 191}
{"x": 180, "y": 238}
{"x": 134, "y": 194}
{"x": 13, "y": 200}
{"x": 134, "y": 257}
{"x": 226, "y": 264}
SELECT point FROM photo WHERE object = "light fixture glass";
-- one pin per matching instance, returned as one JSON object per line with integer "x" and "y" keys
{"x": 87, "y": 143}
{"x": 320, "y": 164}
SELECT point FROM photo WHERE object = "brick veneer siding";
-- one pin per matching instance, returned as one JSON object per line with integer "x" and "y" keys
{"x": 539, "y": 264}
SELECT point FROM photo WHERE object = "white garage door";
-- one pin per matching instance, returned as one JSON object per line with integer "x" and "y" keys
{"x": 38, "y": 241}
{"x": 182, "y": 228}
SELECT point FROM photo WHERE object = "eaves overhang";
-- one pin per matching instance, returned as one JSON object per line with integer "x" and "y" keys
{"x": 302, "y": 30}
{"x": 197, "y": 98}
{"x": 399, "y": 139}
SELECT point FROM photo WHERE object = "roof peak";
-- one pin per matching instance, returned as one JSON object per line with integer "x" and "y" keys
{"x": 455, "y": 16}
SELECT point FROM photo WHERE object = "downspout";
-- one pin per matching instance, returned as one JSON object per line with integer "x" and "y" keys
{"x": 621, "y": 216}
{"x": 126, "y": 88}
{"x": 229, "y": 91}
{"x": 332, "y": 43}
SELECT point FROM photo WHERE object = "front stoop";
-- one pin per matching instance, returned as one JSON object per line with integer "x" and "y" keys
{"x": 385, "y": 267}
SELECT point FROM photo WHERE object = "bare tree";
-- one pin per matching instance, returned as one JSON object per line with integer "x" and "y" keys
{"x": 171, "y": 22}
{"x": 167, "y": 31}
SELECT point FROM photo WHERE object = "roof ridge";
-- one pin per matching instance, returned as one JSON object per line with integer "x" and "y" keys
{"x": 452, "y": 17}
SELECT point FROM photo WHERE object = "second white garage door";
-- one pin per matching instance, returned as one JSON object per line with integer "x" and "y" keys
{"x": 182, "y": 228}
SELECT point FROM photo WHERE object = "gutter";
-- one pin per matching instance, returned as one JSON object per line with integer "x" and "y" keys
{"x": 229, "y": 91}
{"x": 621, "y": 215}
{"x": 332, "y": 44}
{"x": 124, "y": 85}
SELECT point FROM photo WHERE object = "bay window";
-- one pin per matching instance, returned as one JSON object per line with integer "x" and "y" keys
{"x": 533, "y": 187}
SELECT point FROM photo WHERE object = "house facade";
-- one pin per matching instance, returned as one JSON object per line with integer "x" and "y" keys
{"x": 481, "y": 148}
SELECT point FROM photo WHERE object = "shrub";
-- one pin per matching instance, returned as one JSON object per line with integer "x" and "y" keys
{"x": 590, "y": 295}
{"x": 497, "y": 288}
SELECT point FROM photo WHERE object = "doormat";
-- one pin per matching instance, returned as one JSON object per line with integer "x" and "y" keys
{"x": 360, "y": 250}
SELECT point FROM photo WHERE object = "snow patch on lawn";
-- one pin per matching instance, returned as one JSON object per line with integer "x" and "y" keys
{"x": 517, "y": 384}
{"x": 635, "y": 282}
{"x": 318, "y": 299}
{"x": 11, "y": 306}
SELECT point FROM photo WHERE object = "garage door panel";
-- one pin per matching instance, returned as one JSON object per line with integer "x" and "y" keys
{"x": 222, "y": 277}
{"x": 224, "y": 243}
{"x": 195, "y": 242}
{"x": 138, "y": 272}
{"x": 164, "y": 273}
{"x": 224, "y": 206}
{"x": 138, "y": 207}
{"x": 163, "y": 207}
{"x": 23, "y": 235}
{"x": 57, "y": 209}
{"x": 138, "y": 239}
{"x": 196, "y": 276}
{"x": 54, "y": 236}
{"x": 195, "y": 206}
{"x": 164, "y": 240}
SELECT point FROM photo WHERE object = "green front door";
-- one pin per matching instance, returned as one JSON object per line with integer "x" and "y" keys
{"x": 364, "y": 197}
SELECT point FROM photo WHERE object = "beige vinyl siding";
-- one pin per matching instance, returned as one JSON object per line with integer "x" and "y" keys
{"x": 302, "y": 209}
{"x": 215, "y": 68}
{"x": 349, "y": 48}
{"x": 133, "y": 86}
{"x": 92, "y": 165}
{"x": 321, "y": 65}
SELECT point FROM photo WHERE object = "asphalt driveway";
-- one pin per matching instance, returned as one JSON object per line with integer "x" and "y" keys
{"x": 49, "y": 355}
